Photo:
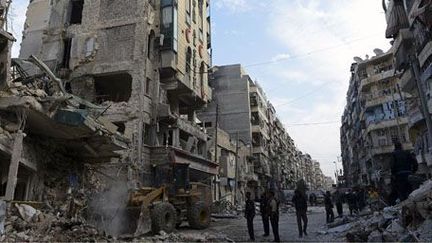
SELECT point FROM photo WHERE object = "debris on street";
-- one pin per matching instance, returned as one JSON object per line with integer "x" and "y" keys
{"x": 25, "y": 223}
{"x": 407, "y": 221}
{"x": 184, "y": 237}
{"x": 224, "y": 209}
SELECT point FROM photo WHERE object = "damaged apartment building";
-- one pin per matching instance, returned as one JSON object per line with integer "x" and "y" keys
{"x": 145, "y": 62}
{"x": 241, "y": 108}
{"x": 409, "y": 26}
{"x": 375, "y": 118}
{"x": 48, "y": 137}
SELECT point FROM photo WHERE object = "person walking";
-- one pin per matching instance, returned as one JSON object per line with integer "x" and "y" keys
{"x": 361, "y": 199}
{"x": 250, "y": 215}
{"x": 403, "y": 164}
{"x": 311, "y": 199}
{"x": 264, "y": 214}
{"x": 328, "y": 207}
{"x": 351, "y": 200}
{"x": 300, "y": 203}
{"x": 339, "y": 203}
{"x": 273, "y": 208}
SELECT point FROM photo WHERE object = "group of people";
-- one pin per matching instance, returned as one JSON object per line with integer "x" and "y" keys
{"x": 356, "y": 200}
{"x": 269, "y": 209}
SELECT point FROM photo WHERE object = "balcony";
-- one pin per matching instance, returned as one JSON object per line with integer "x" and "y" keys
{"x": 377, "y": 77}
{"x": 191, "y": 129}
{"x": 259, "y": 150}
{"x": 407, "y": 81}
{"x": 414, "y": 114}
{"x": 388, "y": 148}
{"x": 164, "y": 155}
{"x": 386, "y": 123}
{"x": 375, "y": 99}
{"x": 425, "y": 53}
{"x": 168, "y": 65}
{"x": 405, "y": 37}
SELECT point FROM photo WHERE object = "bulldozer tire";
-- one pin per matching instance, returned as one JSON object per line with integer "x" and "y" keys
{"x": 163, "y": 217}
{"x": 199, "y": 216}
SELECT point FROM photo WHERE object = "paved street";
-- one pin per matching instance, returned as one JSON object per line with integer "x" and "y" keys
{"x": 236, "y": 229}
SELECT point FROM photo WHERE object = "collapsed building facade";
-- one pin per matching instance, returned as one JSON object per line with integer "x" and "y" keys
{"x": 374, "y": 119}
{"x": 409, "y": 26}
{"x": 144, "y": 61}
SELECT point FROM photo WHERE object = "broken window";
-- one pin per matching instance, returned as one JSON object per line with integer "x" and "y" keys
{"x": 253, "y": 100}
{"x": 188, "y": 11}
{"x": 77, "y": 7}
{"x": 113, "y": 87}
{"x": 121, "y": 127}
{"x": 151, "y": 45}
{"x": 148, "y": 86}
{"x": 188, "y": 59}
{"x": 67, "y": 46}
{"x": 255, "y": 120}
{"x": 147, "y": 134}
{"x": 194, "y": 11}
{"x": 202, "y": 73}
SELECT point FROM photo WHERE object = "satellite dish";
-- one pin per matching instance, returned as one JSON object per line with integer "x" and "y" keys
{"x": 378, "y": 51}
{"x": 358, "y": 59}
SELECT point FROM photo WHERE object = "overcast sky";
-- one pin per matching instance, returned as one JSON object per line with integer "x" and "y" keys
{"x": 299, "y": 51}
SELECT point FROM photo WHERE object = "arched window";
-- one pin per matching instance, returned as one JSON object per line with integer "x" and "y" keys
{"x": 188, "y": 59}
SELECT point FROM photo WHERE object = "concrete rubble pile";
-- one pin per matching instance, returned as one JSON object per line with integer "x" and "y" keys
{"x": 184, "y": 237}
{"x": 26, "y": 223}
{"x": 409, "y": 221}
{"x": 224, "y": 209}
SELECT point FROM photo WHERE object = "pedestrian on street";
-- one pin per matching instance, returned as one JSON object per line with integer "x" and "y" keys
{"x": 328, "y": 207}
{"x": 250, "y": 215}
{"x": 403, "y": 165}
{"x": 273, "y": 208}
{"x": 264, "y": 214}
{"x": 311, "y": 199}
{"x": 361, "y": 199}
{"x": 300, "y": 203}
{"x": 352, "y": 202}
{"x": 339, "y": 203}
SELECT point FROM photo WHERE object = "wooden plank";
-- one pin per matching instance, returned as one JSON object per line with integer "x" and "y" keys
{"x": 14, "y": 165}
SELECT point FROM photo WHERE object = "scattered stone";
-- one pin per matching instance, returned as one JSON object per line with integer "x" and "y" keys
{"x": 27, "y": 212}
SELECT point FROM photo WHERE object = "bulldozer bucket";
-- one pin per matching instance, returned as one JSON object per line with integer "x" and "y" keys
{"x": 144, "y": 221}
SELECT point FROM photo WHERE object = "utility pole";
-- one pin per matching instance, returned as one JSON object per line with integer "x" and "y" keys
{"x": 216, "y": 146}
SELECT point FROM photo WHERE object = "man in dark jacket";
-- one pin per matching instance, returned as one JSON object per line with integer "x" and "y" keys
{"x": 264, "y": 214}
{"x": 250, "y": 215}
{"x": 402, "y": 166}
{"x": 339, "y": 203}
{"x": 273, "y": 207}
{"x": 300, "y": 203}
{"x": 329, "y": 207}
{"x": 352, "y": 201}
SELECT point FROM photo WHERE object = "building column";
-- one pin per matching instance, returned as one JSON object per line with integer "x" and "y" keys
{"x": 14, "y": 165}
